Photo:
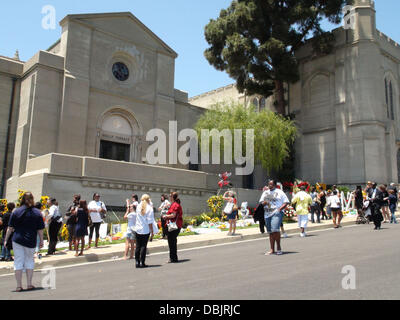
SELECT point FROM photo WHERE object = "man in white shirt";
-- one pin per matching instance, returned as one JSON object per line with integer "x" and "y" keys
{"x": 274, "y": 201}
{"x": 96, "y": 209}
{"x": 55, "y": 222}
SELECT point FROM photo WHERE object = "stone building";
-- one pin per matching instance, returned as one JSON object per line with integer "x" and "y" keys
{"x": 346, "y": 105}
{"x": 75, "y": 116}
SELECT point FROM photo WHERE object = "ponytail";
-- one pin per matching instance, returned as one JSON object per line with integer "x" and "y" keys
{"x": 175, "y": 197}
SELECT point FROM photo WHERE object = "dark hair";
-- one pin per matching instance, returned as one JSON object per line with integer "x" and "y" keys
{"x": 83, "y": 205}
{"x": 175, "y": 196}
{"x": 335, "y": 192}
{"x": 38, "y": 205}
{"x": 135, "y": 196}
{"x": 24, "y": 198}
{"x": 96, "y": 194}
{"x": 11, "y": 206}
{"x": 164, "y": 196}
{"x": 274, "y": 181}
{"x": 303, "y": 188}
{"x": 53, "y": 201}
{"x": 374, "y": 185}
{"x": 77, "y": 197}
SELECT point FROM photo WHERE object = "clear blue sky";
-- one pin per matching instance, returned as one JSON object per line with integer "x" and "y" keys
{"x": 180, "y": 23}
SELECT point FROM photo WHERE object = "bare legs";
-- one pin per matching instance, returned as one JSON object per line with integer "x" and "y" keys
{"x": 275, "y": 238}
{"x": 29, "y": 276}
{"x": 77, "y": 240}
{"x": 18, "y": 277}
{"x": 232, "y": 226}
{"x": 386, "y": 214}
{"x": 129, "y": 244}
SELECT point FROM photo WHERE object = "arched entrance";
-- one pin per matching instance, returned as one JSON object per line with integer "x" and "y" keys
{"x": 119, "y": 136}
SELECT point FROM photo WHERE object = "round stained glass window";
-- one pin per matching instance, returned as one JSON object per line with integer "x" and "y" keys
{"x": 120, "y": 71}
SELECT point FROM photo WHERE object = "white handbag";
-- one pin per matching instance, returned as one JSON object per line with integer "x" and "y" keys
{"x": 172, "y": 226}
{"x": 228, "y": 208}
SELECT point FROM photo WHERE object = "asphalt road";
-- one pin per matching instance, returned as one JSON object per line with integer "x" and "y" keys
{"x": 311, "y": 268}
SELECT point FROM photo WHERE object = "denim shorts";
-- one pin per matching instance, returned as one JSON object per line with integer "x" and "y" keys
{"x": 131, "y": 235}
{"x": 274, "y": 223}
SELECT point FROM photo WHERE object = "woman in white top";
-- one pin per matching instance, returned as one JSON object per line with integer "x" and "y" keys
{"x": 130, "y": 215}
{"x": 143, "y": 228}
{"x": 336, "y": 208}
{"x": 96, "y": 209}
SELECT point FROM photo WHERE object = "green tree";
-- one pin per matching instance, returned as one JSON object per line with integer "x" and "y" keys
{"x": 255, "y": 41}
{"x": 273, "y": 134}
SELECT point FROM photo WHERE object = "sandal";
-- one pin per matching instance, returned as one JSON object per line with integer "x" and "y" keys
{"x": 19, "y": 289}
{"x": 31, "y": 288}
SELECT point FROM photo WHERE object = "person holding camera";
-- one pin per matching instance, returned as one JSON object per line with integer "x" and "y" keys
{"x": 97, "y": 211}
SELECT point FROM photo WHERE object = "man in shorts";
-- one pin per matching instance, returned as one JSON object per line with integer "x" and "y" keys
{"x": 274, "y": 201}
{"x": 302, "y": 200}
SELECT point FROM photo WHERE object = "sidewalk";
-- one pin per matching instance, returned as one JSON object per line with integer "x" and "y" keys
{"x": 63, "y": 258}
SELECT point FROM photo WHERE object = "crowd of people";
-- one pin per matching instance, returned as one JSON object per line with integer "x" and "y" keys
{"x": 374, "y": 204}
{"x": 23, "y": 228}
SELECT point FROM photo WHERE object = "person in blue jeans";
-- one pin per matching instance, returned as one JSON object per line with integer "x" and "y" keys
{"x": 392, "y": 205}
{"x": 6, "y": 249}
{"x": 274, "y": 201}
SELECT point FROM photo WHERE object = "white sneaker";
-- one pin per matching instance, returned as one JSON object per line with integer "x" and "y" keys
{"x": 303, "y": 235}
{"x": 285, "y": 235}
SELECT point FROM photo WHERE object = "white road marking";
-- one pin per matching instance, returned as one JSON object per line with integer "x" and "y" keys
{"x": 166, "y": 252}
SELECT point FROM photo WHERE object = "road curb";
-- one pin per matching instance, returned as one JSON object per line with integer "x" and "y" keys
{"x": 92, "y": 257}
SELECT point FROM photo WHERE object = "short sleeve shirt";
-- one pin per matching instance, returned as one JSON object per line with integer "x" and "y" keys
{"x": 275, "y": 199}
{"x": 26, "y": 222}
{"x": 177, "y": 208}
{"x": 95, "y": 216}
{"x": 303, "y": 201}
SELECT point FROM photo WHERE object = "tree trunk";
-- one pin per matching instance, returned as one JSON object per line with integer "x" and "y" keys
{"x": 280, "y": 97}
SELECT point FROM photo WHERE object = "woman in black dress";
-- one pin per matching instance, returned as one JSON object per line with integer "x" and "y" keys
{"x": 82, "y": 217}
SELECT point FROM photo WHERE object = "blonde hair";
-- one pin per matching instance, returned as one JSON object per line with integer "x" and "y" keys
{"x": 145, "y": 200}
